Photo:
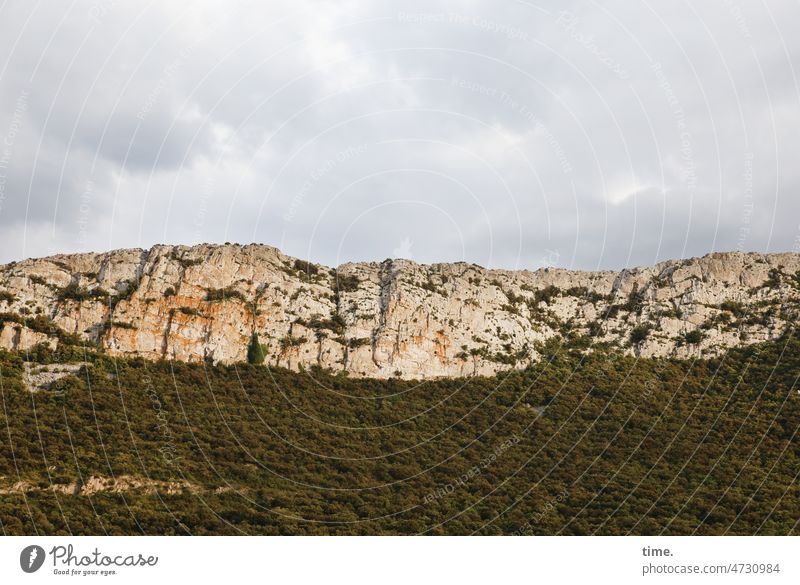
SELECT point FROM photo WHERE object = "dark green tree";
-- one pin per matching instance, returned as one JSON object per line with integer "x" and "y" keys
{"x": 255, "y": 351}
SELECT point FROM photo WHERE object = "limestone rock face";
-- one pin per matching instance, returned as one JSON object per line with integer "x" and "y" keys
{"x": 394, "y": 318}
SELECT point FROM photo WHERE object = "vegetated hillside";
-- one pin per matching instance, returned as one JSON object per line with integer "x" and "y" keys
{"x": 393, "y": 319}
{"x": 577, "y": 444}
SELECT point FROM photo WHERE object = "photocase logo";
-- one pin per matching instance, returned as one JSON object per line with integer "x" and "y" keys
{"x": 31, "y": 558}
{"x": 403, "y": 250}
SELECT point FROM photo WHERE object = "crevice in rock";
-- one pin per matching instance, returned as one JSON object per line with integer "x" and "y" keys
{"x": 165, "y": 337}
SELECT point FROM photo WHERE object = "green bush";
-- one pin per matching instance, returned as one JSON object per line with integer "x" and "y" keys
{"x": 640, "y": 333}
{"x": 347, "y": 283}
{"x": 356, "y": 342}
{"x": 223, "y": 294}
{"x": 336, "y": 323}
{"x": 546, "y": 295}
{"x": 185, "y": 262}
{"x": 694, "y": 337}
{"x": 291, "y": 341}
{"x": 595, "y": 329}
{"x": 74, "y": 292}
{"x": 736, "y": 308}
{"x": 306, "y": 267}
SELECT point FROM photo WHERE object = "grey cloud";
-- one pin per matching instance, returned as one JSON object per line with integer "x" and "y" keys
{"x": 505, "y": 134}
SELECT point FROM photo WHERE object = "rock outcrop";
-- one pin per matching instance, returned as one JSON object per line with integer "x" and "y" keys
{"x": 42, "y": 377}
{"x": 394, "y": 318}
{"x": 97, "y": 484}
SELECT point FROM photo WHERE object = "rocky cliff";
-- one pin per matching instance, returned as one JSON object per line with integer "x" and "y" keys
{"x": 394, "y": 318}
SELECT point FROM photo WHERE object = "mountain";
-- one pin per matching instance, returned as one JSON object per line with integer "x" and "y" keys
{"x": 659, "y": 400}
{"x": 226, "y": 303}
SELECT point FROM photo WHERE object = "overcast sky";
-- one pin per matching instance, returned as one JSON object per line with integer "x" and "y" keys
{"x": 510, "y": 134}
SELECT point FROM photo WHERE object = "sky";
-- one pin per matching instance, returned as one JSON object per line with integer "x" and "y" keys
{"x": 510, "y": 134}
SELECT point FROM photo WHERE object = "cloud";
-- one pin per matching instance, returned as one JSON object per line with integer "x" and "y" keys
{"x": 512, "y": 135}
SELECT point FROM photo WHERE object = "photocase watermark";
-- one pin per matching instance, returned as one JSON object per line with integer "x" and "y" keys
{"x": 95, "y": 563}
{"x": 550, "y": 258}
{"x": 688, "y": 170}
{"x": 31, "y": 558}
{"x": 167, "y": 75}
{"x": 84, "y": 208}
{"x": 649, "y": 388}
{"x": 168, "y": 449}
{"x": 530, "y": 526}
{"x": 7, "y": 148}
{"x": 747, "y": 206}
{"x": 477, "y": 21}
{"x": 741, "y": 23}
{"x": 403, "y": 249}
{"x": 475, "y": 87}
{"x": 569, "y": 22}
{"x": 524, "y": 112}
{"x": 66, "y": 562}
{"x": 202, "y": 208}
{"x": 318, "y": 174}
{"x": 20, "y": 107}
{"x": 528, "y": 115}
{"x": 99, "y": 10}
{"x": 473, "y": 471}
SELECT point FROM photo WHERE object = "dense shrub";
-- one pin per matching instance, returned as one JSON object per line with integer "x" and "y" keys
{"x": 546, "y": 295}
{"x": 224, "y": 294}
{"x": 345, "y": 283}
{"x": 74, "y": 292}
{"x": 575, "y": 444}
{"x": 640, "y": 333}
{"x": 185, "y": 262}
{"x": 736, "y": 308}
{"x": 306, "y": 268}
{"x": 694, "y": 337}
